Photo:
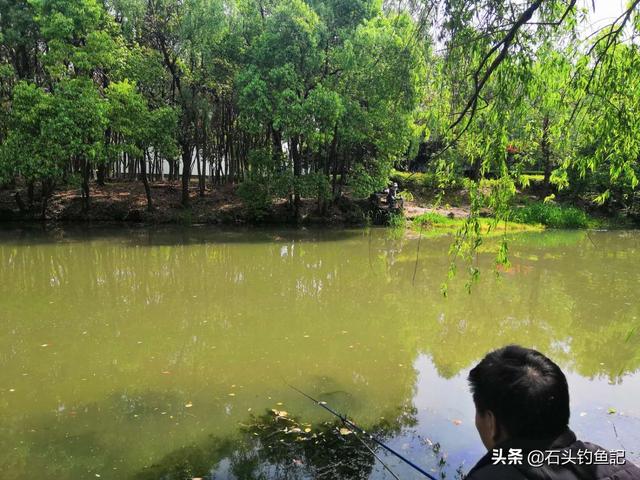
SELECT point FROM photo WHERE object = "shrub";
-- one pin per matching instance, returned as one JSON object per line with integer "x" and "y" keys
{"x": 426, "y": 182}
{"x": 256, "y": 197}
{"x": 431, "y": 218}
{"x": 364, "y": 181}
{"x": 397, "y": 220}
{"x": 551, "y": 215}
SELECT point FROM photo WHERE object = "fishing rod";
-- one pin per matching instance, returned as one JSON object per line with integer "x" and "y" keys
{"x": 355, "y": 427}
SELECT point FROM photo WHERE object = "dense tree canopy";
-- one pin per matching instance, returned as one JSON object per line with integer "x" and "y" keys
{"x": 297, "y": 98}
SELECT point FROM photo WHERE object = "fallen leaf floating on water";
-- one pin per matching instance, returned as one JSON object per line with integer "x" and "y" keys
{"x": 188, "y": 405}
{"x": 345, "y": 431}
{"x": 166, "y": 372}
{"x": 611, "y": 411}
{"x": 279, "y": 413}
{"x": 232, "y": 394}
{"x": 307, "y": 430}
{"x": 457, "y": 422}
{"x": 44, "y": 345}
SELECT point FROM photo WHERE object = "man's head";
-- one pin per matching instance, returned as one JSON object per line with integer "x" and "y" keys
{"x": 518, "y": 392}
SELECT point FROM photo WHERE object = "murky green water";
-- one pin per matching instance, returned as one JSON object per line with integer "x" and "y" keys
{"x": 160, "y": 353}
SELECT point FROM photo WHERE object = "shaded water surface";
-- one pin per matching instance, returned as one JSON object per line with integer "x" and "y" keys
{"x": 150, "y": 354}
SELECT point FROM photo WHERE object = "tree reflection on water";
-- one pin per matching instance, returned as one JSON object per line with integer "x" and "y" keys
{"x": 277, "y": 445}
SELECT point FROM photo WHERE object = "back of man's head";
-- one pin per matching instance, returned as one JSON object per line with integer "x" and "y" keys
{"x": 527, "y": 393}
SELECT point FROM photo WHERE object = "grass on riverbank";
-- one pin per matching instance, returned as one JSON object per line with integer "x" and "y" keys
{"x": 552, "y": 215}
{"x": 441, "y": 224}
{"x": 532, "y": 217}
{"x": 526, "y": 211}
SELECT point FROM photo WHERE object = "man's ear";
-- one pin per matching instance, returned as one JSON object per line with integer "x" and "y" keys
{"x": 498, "y": 433}
{"x": 494, "y": 428}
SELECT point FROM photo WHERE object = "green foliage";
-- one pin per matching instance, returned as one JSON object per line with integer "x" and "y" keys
{"x": 267, "y": 181}
{"x": 366, "y": 181}
{"x": 46, "y": 129}
{"x": 22, "y": 152}
{"x": 428, "y": 183}
{"x": 431, "y": 218}
{"x": 406, "y": 195}
{"x": 294, "y": 96}
{"x": 78, "y": 122}
{"x": 551, "y": 215}
{"x": 257, "y": 190}
{"x": 397, "y": 220}
{"x": 257, "y": 198}
{"x": 139, "y": 127}
{"x": 129, "y": 117}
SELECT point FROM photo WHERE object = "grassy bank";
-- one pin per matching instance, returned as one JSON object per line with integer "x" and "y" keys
{"x": 553, "y": 216}
{"x": 429, "y": 205}
{"x": 441, "y": 224}
{"x": 443, "y": 205}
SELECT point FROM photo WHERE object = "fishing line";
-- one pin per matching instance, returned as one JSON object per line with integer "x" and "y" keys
{"x": 355, "y": 427}
{"x": 366, "y": 445}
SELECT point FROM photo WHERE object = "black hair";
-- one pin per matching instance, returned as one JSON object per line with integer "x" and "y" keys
{"x": 527, "y": 393}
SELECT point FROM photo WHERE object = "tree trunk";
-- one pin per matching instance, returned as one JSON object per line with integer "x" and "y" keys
{"x": 47, "y": 190}
{"x": 30, "y": 193}
{"x": 186, "y": 173}
{"x": 86, "y": 199}
{"x": 201, "y": 169}
{"x": 101, "y": 174}
{"x": 276, "y": 139}
{"x": 145, "y": 180}
{"x": 21, "y": 206}
{"x": 297, "y": 172}
{"x": 133, "y": 167}
{"x": 102, "y": 168}
{"x": 159, "y": 166}
{"x": 545, "y": 146}
{"x": 332, "y": 161}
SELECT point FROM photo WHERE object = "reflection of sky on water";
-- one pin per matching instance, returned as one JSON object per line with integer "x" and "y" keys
{"x": 446, "y": 415}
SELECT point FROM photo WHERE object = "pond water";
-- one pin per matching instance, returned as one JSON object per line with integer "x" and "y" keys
{"x": 163, "y": 353}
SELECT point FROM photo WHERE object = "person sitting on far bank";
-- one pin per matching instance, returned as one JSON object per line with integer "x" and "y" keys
{"x": 522, "y": 416}
{"x": 392, "y": 193}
